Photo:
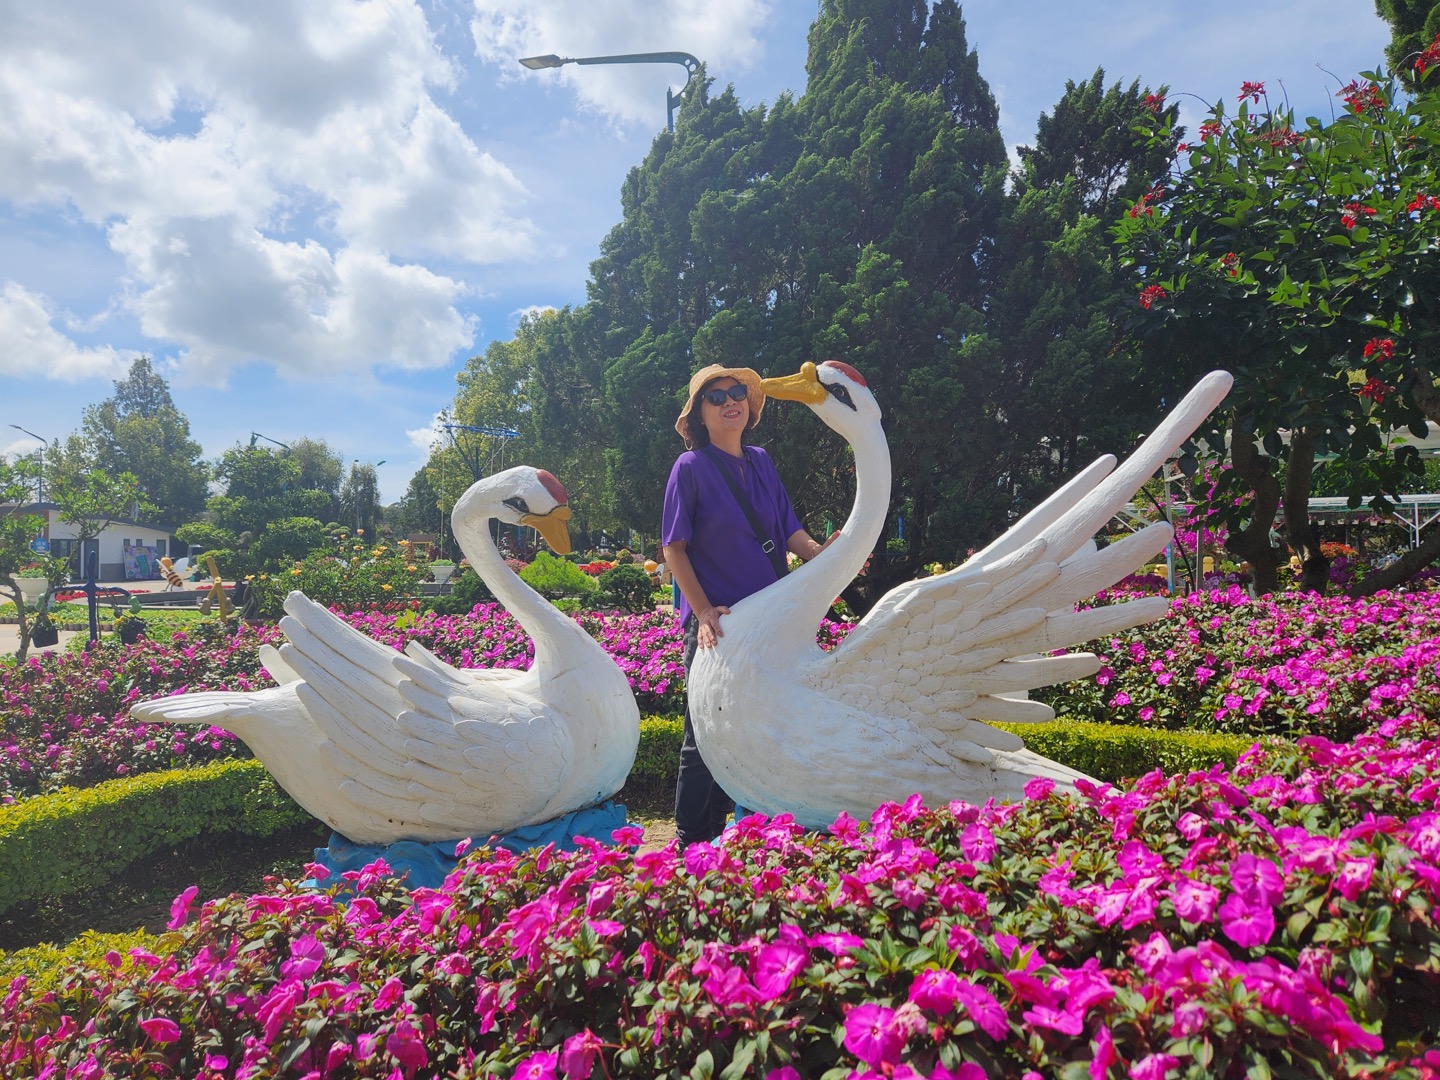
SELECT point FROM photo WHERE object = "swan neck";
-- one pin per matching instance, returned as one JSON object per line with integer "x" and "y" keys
{"x": 818, "y": 584}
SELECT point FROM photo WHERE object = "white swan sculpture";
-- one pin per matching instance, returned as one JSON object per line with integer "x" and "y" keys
{"x": 385, "y": 747}
{"x": 900, "y": 706}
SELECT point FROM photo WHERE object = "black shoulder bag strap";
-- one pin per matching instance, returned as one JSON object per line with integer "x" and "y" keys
{"x": 777, "y": 557}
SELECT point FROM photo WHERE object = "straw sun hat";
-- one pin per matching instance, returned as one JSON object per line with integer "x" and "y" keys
{"x": 745, "y": 375}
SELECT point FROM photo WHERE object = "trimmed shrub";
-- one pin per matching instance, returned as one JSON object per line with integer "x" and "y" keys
{"x": 556, "y": 578}
{"x": 627, "y": 587}
{"x": 54, "y": 845}
{"x": 466, "y": 591}
{"x": 44, "y": 967}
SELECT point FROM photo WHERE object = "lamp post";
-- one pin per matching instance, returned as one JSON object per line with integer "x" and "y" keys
{"x": 40, "y": 482}
{"x": 256, "y": 435}
{"x": 684, "y": 59}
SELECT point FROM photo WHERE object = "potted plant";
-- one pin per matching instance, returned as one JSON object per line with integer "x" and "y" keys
{"x": 129, "y": 625}
{"x": 43, "y": 630}
{"x": 32, "y": 581}
{"x": 441, "y": 569}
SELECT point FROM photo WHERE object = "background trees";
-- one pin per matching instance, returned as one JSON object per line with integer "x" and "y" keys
{"x": 1303, "y": 258}
{"x": 139, "y": 430}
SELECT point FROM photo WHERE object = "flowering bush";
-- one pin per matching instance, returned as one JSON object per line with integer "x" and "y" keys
{"x": 1286, "y": 664}
{"x": 64, "y": 717}
{"x": 598, "y": 567}
{"x": 1275, "y": 918}
{"x": 355, "y": 577}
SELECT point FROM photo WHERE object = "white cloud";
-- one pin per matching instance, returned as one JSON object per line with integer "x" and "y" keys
{"x": 426, "y": 439}
{"x": 263, "y": 169}
{"x": 31, "y": 347}
{"x": 725, "y": 36}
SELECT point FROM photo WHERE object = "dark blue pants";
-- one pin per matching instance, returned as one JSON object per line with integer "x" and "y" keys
{"x": 701, "y": 805}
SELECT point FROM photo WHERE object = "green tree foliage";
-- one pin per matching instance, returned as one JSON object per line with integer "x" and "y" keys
{"x": 1065, "y": 373}
{"x": 855, "y": 223}
{"x": 1414, "y": 25}
{"x": 359, "y": 499}
{"x": 1303, "y": 259}
{"x": 93, "y": 500}
{"x": 18, "y": 528}
{"x": 320, "y": 469}
{"x": 139, "y": 430}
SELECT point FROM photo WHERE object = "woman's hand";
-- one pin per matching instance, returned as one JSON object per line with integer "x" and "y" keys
{"x": 709, "y": 632}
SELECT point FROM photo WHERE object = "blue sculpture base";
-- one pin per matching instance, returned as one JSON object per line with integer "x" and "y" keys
{"x": 426, "y": 865}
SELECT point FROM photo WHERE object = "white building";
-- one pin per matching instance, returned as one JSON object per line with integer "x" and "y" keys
{"x": 128, "y": 550}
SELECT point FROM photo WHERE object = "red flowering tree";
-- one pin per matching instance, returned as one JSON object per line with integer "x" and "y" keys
{"x": 1303, "y": 257}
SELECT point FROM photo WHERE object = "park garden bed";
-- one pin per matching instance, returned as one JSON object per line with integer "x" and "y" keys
{"x": 1272, "y": 913}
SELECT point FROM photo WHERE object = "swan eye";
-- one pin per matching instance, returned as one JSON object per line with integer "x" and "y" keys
{"x": 839, "y": 392}
{"x": 518, "y": 504}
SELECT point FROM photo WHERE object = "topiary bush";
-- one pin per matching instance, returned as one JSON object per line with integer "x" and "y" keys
{"x": 466, "y": 591}
{"x": 555, "y": 578}
{"x": 627, "y": 587}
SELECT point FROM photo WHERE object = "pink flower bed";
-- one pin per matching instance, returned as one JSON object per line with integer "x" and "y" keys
{"x": 65, "y": 721}
{"x": 1287, "y": 664}
{"x": 1277, "y": 919}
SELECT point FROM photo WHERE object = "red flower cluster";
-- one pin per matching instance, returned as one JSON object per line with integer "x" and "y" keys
{"x": 1362, "y": 99}
{"x": 1423, "y": 202}
{"x": 1353, "y": 212}
{"x": 1252, "y": 90}
{"x": 1384, "y": 348}
{"x": 1375, "y": 389}
{"x": 1150, "y": 294}
{"x": 1210, "y": 129}
{"x": 1144, "y": 205}
{"x": 1231, "y": 262}
{"x": 1154, "y": 102}
{"x": 1430, "y": 57}
{"x": 1281, "y": 138}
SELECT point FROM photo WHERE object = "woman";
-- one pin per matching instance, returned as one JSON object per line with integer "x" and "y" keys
{"x": 714, "y": 553}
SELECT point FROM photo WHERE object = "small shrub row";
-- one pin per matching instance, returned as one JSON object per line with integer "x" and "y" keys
{"x": 1108, "y": 752}
{"x": 59, "y": 844}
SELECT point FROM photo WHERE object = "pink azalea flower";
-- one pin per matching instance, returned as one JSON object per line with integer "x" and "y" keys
{"x": 1246, "y": 923}
{"x": 161, "y": 1029}
{"x": 180, "y": 907}
{"x": 876, "y": 1034}
{"x": 578, "y": 1055}
{"x": 538, "y": 1066}
{"x": 407, "y": 1047}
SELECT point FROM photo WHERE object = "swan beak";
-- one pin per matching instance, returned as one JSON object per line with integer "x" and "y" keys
{"x": 802, "y": 386}
{"x": 553, "y": 527}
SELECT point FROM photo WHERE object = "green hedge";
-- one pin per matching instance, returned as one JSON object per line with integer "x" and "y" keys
{"x": 46, "y": 967}
{"x": 55, "y": 845}
{"x": 1109, "y": 752}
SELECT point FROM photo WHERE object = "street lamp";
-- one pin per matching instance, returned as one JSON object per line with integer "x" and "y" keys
{"x": 40, "y": 483}
{"x": 256, "y": 435}
{"x": 684, "y": 59}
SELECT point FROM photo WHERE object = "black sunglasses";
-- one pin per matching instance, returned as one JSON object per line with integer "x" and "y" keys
{"x": 738, "y": 392}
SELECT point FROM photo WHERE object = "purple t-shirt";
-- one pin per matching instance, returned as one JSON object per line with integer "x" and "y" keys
{"x": 701, "y": 510}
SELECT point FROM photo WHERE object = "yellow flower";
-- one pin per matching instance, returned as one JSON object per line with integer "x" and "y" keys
{"x": 295, "y": 572}
{"x": 385, "y": 587}
{"x": 410, "y": 566}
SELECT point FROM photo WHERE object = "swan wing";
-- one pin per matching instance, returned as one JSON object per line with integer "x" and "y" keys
{"x": 965, "y": 646}
{"x": 417, "y": 738}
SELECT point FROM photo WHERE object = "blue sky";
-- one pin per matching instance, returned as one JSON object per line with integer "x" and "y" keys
{"x": 309, "y": 214}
